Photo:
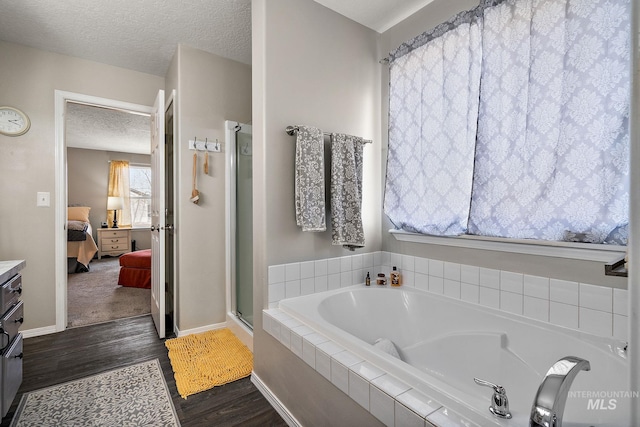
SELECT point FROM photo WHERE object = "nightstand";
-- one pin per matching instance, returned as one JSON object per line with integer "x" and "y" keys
{"x": 113, "y": 241}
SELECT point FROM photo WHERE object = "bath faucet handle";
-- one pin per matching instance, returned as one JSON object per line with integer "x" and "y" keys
{"x": 499, "y": 401}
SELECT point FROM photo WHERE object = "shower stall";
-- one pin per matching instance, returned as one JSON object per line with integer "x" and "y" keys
{"x": 239, "y": 222}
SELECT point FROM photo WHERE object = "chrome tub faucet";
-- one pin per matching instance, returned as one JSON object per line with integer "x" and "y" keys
{"x": 548, "y": 405}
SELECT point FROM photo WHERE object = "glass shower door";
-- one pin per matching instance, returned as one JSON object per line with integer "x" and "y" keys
{"x": 244, "y": 225}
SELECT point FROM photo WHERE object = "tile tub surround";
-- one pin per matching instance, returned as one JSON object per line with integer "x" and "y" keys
{"x": 457, "y": 341}
{"x": 587, "y": 307}
{"x": 387, "y": 398}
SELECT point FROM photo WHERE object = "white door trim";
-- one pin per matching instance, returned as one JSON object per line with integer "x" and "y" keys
{"x": 61, "y": 98}
{"x": 172, "y": 102}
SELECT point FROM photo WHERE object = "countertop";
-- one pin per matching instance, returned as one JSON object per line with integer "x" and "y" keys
{"x": 8, "y": 269}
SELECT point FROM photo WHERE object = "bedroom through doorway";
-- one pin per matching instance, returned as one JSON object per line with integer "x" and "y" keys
{"x": 104, "y": 145}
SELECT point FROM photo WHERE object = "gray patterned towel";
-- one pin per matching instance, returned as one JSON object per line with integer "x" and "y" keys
{"x": 309, "y": 179}
{"x": 346, "y": 191}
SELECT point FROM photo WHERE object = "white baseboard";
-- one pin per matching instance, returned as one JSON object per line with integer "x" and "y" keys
{"x": 36, "y": 332}
{"x": 206, "y": 328}
{"x": 274, "y": 401}
{"x": 240, "y": 330}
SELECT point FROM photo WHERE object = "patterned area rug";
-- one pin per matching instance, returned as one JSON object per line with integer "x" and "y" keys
{"x": 212, "y": 358}
{"x": 136, "y": 395}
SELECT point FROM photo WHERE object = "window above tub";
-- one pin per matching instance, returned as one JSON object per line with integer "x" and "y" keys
{"x": 509, "y": 126}
{"x": 572, "y": 250}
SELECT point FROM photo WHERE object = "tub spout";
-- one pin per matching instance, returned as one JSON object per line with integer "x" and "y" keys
{"x": 548, "y": 406}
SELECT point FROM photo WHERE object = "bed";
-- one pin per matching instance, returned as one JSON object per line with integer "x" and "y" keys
{"x": 81, "y": 247}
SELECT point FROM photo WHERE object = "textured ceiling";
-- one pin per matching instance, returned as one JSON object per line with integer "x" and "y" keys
{"x": 379, "y": 15}
{"x": 105, "y": 129}
{"x": 141, "y": 35}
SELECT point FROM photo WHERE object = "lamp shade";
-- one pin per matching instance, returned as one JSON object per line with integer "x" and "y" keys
{"x": 115, "y": 203}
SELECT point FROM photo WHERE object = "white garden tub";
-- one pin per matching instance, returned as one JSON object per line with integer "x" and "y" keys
{"x": 445, "y": 343}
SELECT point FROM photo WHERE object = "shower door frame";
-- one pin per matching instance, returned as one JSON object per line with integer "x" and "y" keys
{"x": 230, "y": 228}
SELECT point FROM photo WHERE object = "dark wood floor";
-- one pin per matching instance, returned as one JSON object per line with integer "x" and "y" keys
{"x": 80, "y": 352}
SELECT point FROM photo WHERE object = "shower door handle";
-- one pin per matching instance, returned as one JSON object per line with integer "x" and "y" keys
{"x": 168, "y": 227}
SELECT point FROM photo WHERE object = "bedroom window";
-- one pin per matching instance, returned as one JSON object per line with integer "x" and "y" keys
{"x": 140, "y": 195}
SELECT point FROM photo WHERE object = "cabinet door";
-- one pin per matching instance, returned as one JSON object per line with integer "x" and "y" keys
{"x": 11, "y": 373}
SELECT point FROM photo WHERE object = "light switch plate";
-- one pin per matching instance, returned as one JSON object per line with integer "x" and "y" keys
{"x": 44, "y": 199}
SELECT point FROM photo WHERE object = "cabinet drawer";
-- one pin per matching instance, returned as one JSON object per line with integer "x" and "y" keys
{"x": 10, "y": 293}
{"x": 115, "y": 247}
{"x": 114, "y": 241}
{"x": 114, "y": 233}
{"x": 10, "y": 323}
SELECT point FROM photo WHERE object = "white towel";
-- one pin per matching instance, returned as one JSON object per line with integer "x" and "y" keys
{"x": 346, "y": 191}
{"x": 387, "y": 346}
{"x": 309, "y": 179}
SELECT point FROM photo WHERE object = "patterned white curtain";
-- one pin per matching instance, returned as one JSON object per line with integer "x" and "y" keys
{"x": 553, "y": 140}
{"x": 432, "y": 128}
{"x": 551, "y": 156}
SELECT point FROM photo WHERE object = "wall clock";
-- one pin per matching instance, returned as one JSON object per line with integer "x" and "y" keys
{"x": 13, "y": 122}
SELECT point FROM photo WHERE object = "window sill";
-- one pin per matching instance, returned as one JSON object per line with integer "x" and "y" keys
{"x": 571, "y": 250}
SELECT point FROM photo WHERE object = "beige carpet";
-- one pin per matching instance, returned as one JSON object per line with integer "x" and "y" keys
{"x": 95, "y": 297}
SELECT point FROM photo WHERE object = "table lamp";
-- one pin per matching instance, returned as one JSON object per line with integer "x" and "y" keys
{"x": 114, "y": 204}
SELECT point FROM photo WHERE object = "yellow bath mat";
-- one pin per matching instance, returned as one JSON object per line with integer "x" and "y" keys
{"x": 203, "y": 361}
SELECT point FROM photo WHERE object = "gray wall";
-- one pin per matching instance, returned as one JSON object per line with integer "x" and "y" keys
{"x": 324, "y": 78}
{"x": 88, "y": 180}
{"x": 310, "y": 66}
{"x": 28, "y": 79}
{"x": 210, "y": 90}
{"x": 566, "y": 269}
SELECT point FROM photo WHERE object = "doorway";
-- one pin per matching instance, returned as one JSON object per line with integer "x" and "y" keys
{"x": 61, "y": 186}
{"x": 98, "y": 142}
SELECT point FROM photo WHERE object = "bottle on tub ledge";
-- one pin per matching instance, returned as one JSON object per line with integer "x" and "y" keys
{"x": 367, "y": 280}
{"x": 395, "y": 277}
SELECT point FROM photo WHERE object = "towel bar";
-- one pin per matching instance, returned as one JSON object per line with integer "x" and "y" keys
{"x": 291, "y": 130}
